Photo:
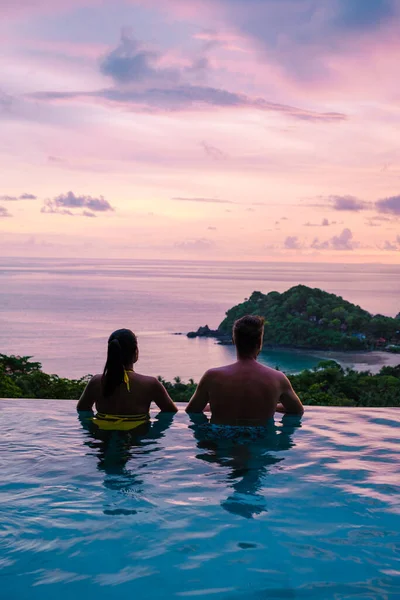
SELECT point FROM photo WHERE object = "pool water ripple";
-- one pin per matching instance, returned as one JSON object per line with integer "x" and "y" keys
{"x": 312, "y": 510}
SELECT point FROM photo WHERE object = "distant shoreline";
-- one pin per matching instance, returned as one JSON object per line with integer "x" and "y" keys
{"x": 361, "y": 360}
{"x": 224, "y": 339}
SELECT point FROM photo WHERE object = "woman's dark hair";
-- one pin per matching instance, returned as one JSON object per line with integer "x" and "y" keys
{"x": 122, "y": 352}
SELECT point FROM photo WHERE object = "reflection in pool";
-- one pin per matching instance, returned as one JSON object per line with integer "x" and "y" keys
{"x": 311, "y": 509}
{"x": 248, "y": 459}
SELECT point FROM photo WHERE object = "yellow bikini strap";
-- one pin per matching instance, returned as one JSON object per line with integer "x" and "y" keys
{"x": 126, "y": 381}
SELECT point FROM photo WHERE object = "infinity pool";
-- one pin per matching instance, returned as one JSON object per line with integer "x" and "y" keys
{"x": 311, "y": 510}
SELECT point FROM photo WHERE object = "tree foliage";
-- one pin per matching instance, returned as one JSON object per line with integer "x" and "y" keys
{"x": 306, "y": 317}
{"x": 21, "y": 378}
{"x": 328, "y": 384}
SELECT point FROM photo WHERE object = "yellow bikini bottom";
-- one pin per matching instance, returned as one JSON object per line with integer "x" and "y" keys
{"x": 120, "y": 422}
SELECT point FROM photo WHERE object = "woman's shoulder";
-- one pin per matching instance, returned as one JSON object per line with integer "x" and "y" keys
{"x": 97, "y": 377}
{"x": 95, "y": 380}
{"x": 147, "y": 380}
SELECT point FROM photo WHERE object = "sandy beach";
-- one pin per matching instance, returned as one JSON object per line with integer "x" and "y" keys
{"x": 359, "y": 361}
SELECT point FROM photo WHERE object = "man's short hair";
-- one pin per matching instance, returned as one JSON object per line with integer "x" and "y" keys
{"x": 247, "y": 333}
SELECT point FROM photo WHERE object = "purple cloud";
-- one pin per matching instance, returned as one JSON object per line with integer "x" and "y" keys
{"x": 28, "y": 197}
{"x": 190, "y": 96}
{"x": 21, "y": 197}
{"x": 301, "y": 36}
{"x": 168, "y": 89}
{"x": 63, "y": 204}
{"x": 318, "y": 245}
{"x": 381, "y": 218}
{"x": 187, "y": 97}
{"x": 50, "y": 209}
{"x": 348, "y": 203}
{"x": 4, "y": 212}
{"x": 213, "y": 151}
{"x": 97, "y": 204}
{"x": 324, "y": 223}
{"x": 6, "y": 101}
{"x": 292, "y": 242}
{"x": 389, "y": 205}
{"x": 165, "y": 89}
{"x": 343, "y": 241}
{"x": 368, "y": 15}
{"x": 129, "y": 63}
{"x": 391, "y": 246}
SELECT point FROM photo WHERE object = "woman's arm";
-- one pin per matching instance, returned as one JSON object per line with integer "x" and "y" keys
{"x": 161, "y": 397}
{"x": 89, "y": 395}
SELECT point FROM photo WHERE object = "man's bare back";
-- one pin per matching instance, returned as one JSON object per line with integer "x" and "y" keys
{"x": 245, "y": 392}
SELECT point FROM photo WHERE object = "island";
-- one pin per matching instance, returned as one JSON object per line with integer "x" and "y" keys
{"x": 312, "y": 319}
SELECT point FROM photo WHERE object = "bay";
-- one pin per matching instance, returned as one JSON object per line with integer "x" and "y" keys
{"x": 61, "y": 311}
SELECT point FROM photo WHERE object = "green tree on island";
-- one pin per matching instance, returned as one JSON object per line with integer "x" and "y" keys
{"x": 305, "y": 317}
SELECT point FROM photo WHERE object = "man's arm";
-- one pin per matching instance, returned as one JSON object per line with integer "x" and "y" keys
{"x": 199, "y": 400}
{"x": 162, "y": 398}
{"x": 290, "y": 403}
{"x": 88, "y": 398}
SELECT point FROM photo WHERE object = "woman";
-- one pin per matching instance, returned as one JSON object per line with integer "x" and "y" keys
{"x": 122, "y": 397}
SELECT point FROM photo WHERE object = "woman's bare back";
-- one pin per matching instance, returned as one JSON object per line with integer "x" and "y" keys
{"x": 143, "y": 390}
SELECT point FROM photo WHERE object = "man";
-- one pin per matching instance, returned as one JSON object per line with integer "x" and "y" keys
{"x": 245, "y": 392}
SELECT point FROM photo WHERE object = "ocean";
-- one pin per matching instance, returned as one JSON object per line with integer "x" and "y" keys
{"x": 61, "y": 311}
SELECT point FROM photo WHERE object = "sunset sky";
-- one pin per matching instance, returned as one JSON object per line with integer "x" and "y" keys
{"x": 200, "y": 129}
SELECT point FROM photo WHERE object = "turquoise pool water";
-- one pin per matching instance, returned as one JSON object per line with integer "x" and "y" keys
{"x": 312, "y": 510}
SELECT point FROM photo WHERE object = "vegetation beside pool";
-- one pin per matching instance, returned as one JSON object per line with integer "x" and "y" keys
{"x": 328, "y": 384}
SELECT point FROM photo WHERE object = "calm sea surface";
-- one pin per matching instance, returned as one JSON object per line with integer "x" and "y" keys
{"x": 61, "y": 311}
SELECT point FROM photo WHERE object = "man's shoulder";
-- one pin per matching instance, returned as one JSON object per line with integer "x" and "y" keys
{"x": 272, "y": 373}
{"x": 218, "y": 372}
{"x": 209, "y": 374}
{"x": 268, "y": 369}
